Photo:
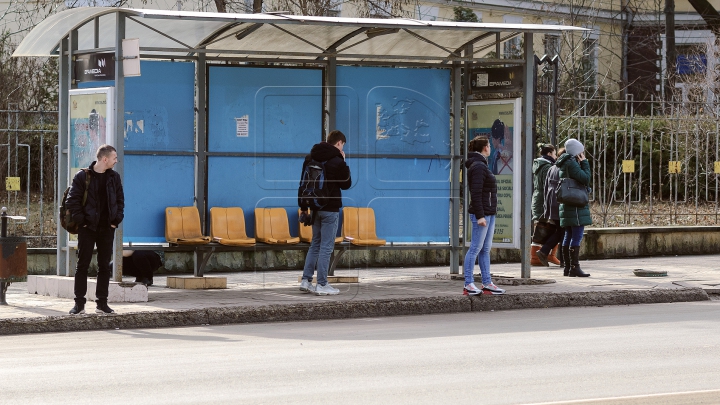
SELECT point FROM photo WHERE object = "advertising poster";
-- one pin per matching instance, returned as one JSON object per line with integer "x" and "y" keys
{"x": 499, "y": 120}
{"x": 90, "y": 125}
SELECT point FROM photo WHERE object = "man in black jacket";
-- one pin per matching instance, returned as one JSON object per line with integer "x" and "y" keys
{"x": 325, "y": 223}
{"x": 98, "y": 217}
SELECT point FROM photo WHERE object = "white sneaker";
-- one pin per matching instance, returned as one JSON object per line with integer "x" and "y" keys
{"x": 326, "y": 290}
{"x": 306, "y": 286}
{"x": 471, "y": 289}
{"x": 493, "y": 288}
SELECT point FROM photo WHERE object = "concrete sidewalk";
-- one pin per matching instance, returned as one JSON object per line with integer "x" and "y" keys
{"x": 274, "y": 295}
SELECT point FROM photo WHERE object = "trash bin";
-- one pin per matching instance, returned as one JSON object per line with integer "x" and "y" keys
{"x": 13, "y": 257}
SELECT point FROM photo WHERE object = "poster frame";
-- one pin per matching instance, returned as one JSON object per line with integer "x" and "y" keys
{"x": 110, "y": 131}
{"x": 516, "y": 191}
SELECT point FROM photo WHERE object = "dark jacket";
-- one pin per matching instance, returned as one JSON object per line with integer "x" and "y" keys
{"x": 570, "y": 168}
{"x": 482, "y": 185}
{"x": 90, "y": 214}
{"x": 551, "y": 209}
{"x": 336, "y": 170}
{"x": 540, "y": 168}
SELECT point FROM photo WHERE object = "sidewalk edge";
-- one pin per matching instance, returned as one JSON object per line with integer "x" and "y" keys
{"x": 344, "y": 310}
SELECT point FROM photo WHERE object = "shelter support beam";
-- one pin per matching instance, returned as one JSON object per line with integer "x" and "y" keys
{"x": 201, "y": 148}
{"x": 526, "y": 155}
{"x": 65, "y": 66}
{"x": 119, "y": 133}
{"x": 455, "y": 171}
{"x": 332, "y": 95}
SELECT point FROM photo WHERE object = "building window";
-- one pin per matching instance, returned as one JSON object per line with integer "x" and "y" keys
{"x": 590, "y": 54}
{"x": 552, "y": 45}
{"x": 426, "y": 13}
{"x": 512, "y": 48}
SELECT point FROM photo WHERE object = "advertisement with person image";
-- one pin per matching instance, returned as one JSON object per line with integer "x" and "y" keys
{"x": 498, "y": 120}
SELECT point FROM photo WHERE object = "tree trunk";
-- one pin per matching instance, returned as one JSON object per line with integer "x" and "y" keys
{"x": 220, "y": 5}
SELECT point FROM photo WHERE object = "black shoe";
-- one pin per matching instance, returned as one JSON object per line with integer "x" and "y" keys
{"x": 542, "y": 257}
{"x": 147, "y": 282}
{"x": 77, "y": 309}
{"x": 575, "y": 270}
{"x": 103, "y": 308}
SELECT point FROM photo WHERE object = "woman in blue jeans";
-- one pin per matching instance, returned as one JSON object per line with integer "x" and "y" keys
{"x": 573, "y": 164}
{"x": 482, "y": 208}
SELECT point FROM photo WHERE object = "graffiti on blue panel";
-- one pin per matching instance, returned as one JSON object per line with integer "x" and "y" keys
{"x": 147, "y": 128}
{"x": 403, "y": 119}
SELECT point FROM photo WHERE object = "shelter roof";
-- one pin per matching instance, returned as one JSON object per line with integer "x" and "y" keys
{"x": 182, "y": 33}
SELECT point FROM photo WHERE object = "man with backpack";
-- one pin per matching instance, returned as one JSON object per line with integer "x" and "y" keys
{"x": 97, "y": 209}
{"x": 324, "y": 174}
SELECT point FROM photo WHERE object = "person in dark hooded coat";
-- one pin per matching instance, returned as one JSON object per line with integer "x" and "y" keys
{"x": 325, "y": 220}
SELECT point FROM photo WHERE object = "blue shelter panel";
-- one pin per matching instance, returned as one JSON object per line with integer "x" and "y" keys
{"x": 159, "y": 106}
{"x": 264, "y": 110}
{"x": 405, "y": 210}
{"x": 236, "y": 182}
{"x": 402, "y": 110}
{"x": 151, "y": 184}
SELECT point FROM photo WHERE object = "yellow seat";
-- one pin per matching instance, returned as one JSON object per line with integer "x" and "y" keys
{"x": 271, "y": 226}
{"x": 306, "y": 233}
{"x": 182, "y": 226}
{"x": 227, "y": 227}
{"x": 359, "y": 227}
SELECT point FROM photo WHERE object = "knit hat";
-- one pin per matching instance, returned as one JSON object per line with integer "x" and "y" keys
{"x": 574, "y": 147}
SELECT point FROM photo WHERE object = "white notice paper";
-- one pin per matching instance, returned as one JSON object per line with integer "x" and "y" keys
{"x": 242, "y": 125}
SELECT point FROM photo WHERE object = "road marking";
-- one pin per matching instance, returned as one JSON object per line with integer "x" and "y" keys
{"x": 631, "y": 398}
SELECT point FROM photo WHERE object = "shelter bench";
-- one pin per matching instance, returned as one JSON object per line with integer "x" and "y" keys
{"x": 228, "y": 235}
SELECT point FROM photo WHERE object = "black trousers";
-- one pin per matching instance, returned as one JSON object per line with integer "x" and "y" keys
{"x": 553, "y": 240}
{"x": 87, "y": 240}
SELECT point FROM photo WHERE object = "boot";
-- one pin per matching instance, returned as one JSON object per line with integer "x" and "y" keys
{"x": 552, "y": 258}
{"x": 534, "y": 260}
{"x": 561, "y": 256}
{"x": 566, "y": 260}
{"x": 575, "y": 270}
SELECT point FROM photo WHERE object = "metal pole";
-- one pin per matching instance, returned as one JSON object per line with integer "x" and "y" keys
{"x": 455, "y": 175}
{"x": 201, "y": 149}
{"x": 526, "y": 158}
{"x": 332, "y": 94}
{"x": 65, "y": 66}
{"x": 119, "y": 132}
{"x": 3, "y": 234}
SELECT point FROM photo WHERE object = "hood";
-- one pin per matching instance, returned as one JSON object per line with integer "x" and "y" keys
{"x": 323, "y": 151}
{"x": 539, "y": 163}
{"x": 475, "y": 157}
{"x": 563, "y": 159}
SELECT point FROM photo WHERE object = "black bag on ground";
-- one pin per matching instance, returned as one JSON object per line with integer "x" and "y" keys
{"x": 571, "y": 192}
{"x": 66, "y": 220}
{"x": 313, "y": 191}
{"x": 542, "y": 232}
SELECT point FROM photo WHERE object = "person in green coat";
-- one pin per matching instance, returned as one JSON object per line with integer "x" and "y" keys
{"x": 574, "y": 165}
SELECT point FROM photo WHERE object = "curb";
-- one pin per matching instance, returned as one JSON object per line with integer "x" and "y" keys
{"x": 345, "y": 310}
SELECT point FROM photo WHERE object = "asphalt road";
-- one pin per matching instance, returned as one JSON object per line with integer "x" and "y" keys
{"x": 643, "y": 354}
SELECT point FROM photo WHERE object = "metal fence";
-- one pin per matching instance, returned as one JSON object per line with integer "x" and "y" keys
{"x": 28, "y": 166}
{"x": 658, "y": 168}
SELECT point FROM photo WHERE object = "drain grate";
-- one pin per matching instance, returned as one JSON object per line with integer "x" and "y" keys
{"x": 650, "y": 273}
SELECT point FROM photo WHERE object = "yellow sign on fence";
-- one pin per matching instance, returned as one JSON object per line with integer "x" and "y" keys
{"x": 12, "y": 183}
{"x": 628, "y": 166}
{"x": 717, "y": 167}
{"x": 674, "y": 166}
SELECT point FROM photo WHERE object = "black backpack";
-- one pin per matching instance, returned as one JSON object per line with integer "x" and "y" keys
{"x": 313, "y": 191}
{"x": 66, "y": 220}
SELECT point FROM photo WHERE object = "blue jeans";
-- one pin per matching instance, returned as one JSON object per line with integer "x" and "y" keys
{"x": 321, "y": 248}
{"x": 480, "y": 244}
{"x": 573, "y": 236}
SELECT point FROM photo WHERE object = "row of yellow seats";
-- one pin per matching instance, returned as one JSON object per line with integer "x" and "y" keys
{"x": 227, "y": 227}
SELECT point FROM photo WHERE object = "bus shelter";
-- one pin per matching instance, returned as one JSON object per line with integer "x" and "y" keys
{"x": 217, "y": 110}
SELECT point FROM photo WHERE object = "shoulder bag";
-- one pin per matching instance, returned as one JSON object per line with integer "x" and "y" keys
{"x": 571, "y": 192}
